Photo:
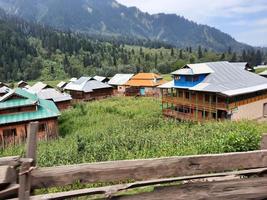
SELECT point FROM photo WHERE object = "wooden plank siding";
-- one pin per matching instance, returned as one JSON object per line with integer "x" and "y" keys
{"x": 95, "y": 95}
{"x": 49, "y": 130}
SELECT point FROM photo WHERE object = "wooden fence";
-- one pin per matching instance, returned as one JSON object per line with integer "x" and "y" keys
{"x": 218, "y": 176}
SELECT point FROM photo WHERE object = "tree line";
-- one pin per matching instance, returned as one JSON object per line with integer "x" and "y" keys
{"x": 31, "y": 51}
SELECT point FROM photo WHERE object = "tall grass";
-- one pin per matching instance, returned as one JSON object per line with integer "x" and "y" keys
{"x": 130, "y": 128}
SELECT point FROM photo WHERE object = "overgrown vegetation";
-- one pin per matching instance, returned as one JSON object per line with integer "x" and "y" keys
{"x": 131, "y": 128}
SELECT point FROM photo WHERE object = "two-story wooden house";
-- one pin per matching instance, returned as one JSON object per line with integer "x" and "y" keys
{"x": 214, "y": 91}
{"x": 18, "y": 108}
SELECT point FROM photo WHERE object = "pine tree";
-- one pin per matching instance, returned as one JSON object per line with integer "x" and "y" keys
{"x": 200, "y": 54}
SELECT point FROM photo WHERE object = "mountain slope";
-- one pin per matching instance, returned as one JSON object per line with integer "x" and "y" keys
{"x": 108, "y": 17}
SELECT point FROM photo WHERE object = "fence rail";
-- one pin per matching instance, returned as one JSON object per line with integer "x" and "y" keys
{"x": 184, "y": 176}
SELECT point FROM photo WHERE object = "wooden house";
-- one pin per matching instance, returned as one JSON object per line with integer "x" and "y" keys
{"x": 101, "y": 79}
{"x": 18, "y": 108}
{"x": 3, "y": 84}
{"x": 62, "y": 100}
{"x": 37, "y": 87}
{"x": 144, "y": 84}
{"x": 47, "y": 92}
{"x": 3, "y": 90}
{"x": 214, "y": 91}
{"x": 87, "y": 88}
{"x": 23, "y": 84}
{"x": 118, "y": 82}
{"x": 61, "y": 85}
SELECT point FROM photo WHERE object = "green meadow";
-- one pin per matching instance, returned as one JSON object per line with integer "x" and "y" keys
{"x": 131, "y": 128}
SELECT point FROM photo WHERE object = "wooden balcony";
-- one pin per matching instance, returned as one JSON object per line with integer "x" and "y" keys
{"x": 195, "y": 104}
{"x": 182, "y": 116}
{"x": 247, "y": 101}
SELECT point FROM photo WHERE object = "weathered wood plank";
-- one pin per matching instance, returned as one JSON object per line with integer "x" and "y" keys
{"x": 264, "y": 141}
{"x": 11, "y": 161}
{"x": 10, "y": 192}
{"x": 111, "y": 190}
{"x": 245, "y": 189}
{"x": 25, "y": 177}
{"x": 8, "y": 176}
{"x": 147, "y": 169}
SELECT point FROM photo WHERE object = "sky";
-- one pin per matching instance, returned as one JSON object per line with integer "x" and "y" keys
{"x": 245, "y": 20}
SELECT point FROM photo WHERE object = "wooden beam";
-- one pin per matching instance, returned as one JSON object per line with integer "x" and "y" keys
{"x": 31, "y": 147}
{"x": 245, "y": 189}
{"x": 25, "y": 169}
{"x": 147, "y": 169}
{"x": 8, "y": 176}
{"x": 9, "y": 192}
{"x": 112, "y": 190}
{"x": 264, "y": 141}
{"x": 10, "y": 161}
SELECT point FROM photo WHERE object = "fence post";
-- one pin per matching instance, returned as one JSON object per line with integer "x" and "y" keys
{"x": 28, "y": 163}
{"x": 264, "y": 141}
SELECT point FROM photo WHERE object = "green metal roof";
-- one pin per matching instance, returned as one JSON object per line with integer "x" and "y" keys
{"x": 45, "y": 108}
{"x": 13, "y": 103}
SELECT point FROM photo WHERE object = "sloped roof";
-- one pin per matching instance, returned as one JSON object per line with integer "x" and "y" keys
{"x": 62, "y": 84}
{"x": 4, "y": 90}
{"x": 53, "y": 94}
{"x": 86, "y": 84}
{"x": 146, "y": 76}
{"x": 37, "y": 87}
{"x": 194, "y": 69}
{"x": 228, "y": 80}
{"x": 21, "y": 82}
{"x": 240, "y": 64}
{"x": 264, "y": 73}
{"x": 120, "y": 79}
{"x": 101, "y": 78}
{"x": 73, "y": 79}
{"x": 146, "y": 80}
{"x": 45, "y": 109}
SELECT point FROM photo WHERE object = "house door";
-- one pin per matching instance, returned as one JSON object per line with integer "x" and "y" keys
{"x": 142, "y": 91}
{"x": 265, "y": 110}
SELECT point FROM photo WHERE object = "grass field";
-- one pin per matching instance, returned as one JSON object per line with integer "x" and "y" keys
{"x": 129, "y": 128}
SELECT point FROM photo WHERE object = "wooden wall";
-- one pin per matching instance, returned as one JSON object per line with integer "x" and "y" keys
{"x": 50, "y": 131}
{"x": 63, "y": 105}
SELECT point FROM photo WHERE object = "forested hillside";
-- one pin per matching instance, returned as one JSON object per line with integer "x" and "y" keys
{"x": 110, "y": 18}
{"x": 31, "y": 51}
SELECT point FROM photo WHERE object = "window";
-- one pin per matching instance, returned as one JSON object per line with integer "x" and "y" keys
{"x": 42, "y": 127}
{"x": 188, "y": 78}
{"x": 177, "y": 78}
{"x": 194, "y": 78}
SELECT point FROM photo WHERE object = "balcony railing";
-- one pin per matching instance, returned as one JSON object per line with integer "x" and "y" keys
{"x": 193, "y": 103}
{"x": 183, "y": 116}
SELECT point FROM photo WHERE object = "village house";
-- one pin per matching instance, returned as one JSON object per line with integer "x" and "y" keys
{"x": 61, "y": 85}
{"x": 23, "y": 84}
{"x": 47, "y": 92}
{"x": 214, "y": 91}
{"x": 87, "y": 88}
{"x": 37, "y": 87}
{"x": 17, "y": 109}
{"x": 144, "y": 84}
{"x": 101, "y": 79}
{"x": 3, "y": 90}
{"x": 118, "y": 82}
{"x": 3, "y": 84}
{"x": 62, "y": 100}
